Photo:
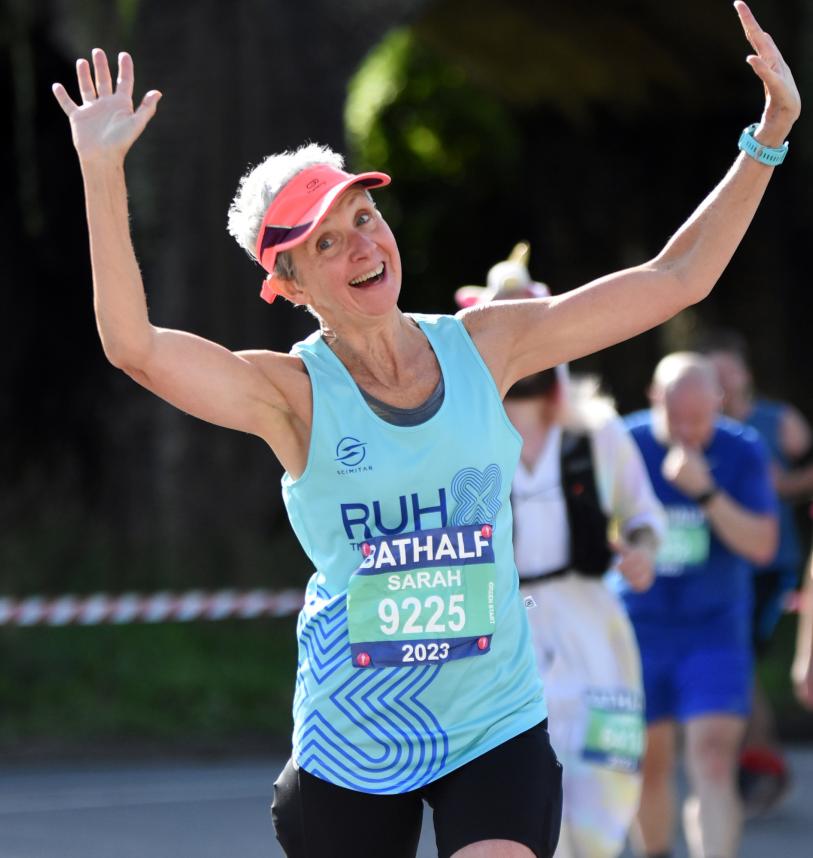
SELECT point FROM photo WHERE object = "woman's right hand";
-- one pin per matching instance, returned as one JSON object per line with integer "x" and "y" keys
{"x": 105, "y": 125}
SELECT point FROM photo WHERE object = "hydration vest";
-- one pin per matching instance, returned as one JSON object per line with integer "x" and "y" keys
{"x": 590, "y": 554}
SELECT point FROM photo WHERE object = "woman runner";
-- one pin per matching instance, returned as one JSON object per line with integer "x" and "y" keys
{"x": 416, "y": 676}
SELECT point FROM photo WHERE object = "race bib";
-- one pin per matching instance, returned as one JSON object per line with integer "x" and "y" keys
{"x": 686, "y": 541}
{"x": 615, "y": 730}
{"x": 423, "y": 598}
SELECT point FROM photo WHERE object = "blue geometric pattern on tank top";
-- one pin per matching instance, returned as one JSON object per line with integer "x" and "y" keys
{"x": 386, "y": 706}
{"x": 477, "y": 494}
{"x": 323, "y": 635}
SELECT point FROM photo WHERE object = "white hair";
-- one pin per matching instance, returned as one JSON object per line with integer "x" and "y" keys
{"x": 262, "y": 183}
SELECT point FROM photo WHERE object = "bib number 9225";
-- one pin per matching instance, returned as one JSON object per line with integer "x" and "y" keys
{"x": 431, "y": 615}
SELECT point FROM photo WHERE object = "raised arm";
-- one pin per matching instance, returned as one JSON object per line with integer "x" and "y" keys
{"x": 259, "y": 392}
{"x": 517, "y": 338}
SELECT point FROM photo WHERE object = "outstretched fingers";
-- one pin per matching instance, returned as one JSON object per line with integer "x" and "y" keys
{"x": 769, "y": 65}
{"x": 86, "y": 88}
{"x": 146, "y": 110}
{"x": 750, "y": 25}
{"x": 104, "y": 85}
{"x": 65, "y": 101}
{"x": 126, "y": 79}
{"x": 764, "y": 70}
{"x": 759, "y": 40}
{"x": 103, "y": 122}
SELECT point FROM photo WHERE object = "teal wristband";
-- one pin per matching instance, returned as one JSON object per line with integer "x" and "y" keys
{"x": 771, "y": 157}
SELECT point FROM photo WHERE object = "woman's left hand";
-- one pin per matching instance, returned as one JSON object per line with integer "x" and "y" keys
{"x": 782, "y": 101}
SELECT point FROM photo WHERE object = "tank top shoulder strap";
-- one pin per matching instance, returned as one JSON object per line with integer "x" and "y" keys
{"x": 455, "y": 349}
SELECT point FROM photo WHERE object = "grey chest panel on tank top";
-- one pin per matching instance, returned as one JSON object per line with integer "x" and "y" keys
{"x": 407, "y": 416}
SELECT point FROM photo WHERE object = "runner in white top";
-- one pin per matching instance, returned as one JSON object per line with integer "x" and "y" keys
{"x": 585, "y": 645}
{"x": 575, "y": 443}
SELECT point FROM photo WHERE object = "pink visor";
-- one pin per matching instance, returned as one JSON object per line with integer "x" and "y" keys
{"x": 299, "y": 208}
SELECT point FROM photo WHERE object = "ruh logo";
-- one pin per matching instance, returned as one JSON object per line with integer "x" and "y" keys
{"x": 477, "y": 494}
{"x": 350, "y": 451}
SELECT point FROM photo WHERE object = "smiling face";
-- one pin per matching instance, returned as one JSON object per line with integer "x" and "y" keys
{"x": 349, "y": 267}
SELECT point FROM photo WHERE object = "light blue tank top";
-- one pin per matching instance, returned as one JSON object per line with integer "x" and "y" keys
{"x": 414, "y": 646}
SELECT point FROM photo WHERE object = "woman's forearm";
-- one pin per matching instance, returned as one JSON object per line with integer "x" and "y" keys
{"x": 118, "y": 291}
{"x": 698, "y": 253}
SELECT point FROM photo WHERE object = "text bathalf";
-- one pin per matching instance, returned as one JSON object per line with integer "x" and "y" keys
{"x": 426, "y": 548}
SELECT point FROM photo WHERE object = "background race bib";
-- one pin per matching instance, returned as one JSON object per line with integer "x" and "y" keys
{"x": 686, "y": 542}
{"x": 615, "y": 730}
{"x": 423, "y": 598}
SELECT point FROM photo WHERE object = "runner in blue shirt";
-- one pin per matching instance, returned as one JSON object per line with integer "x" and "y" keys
{"x": 693, "y": 625}
{"x": 764, "y": 774}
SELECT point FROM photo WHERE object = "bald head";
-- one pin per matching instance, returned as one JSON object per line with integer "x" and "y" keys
{"x": 686, "y": 398}
{"x": 685, "y": 368}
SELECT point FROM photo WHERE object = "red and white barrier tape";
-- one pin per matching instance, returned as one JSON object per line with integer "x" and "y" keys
{"x": 100, "y": 608}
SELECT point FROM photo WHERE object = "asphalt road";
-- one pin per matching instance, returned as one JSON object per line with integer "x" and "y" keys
{"x": 220, "y": 810}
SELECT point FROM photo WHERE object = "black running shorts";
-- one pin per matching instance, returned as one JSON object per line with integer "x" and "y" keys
{"x": 513, "y": 792}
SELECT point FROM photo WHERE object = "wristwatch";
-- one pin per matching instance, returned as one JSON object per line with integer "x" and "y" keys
{"x": 706, "y": 496}
{"x": 770, "y": 156}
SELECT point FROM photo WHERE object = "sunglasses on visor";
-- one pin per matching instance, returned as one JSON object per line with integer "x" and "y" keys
{"x": 274, "y": 235}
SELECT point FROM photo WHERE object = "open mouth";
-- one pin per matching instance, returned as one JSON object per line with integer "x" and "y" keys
{"x": 369, "y": 278}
